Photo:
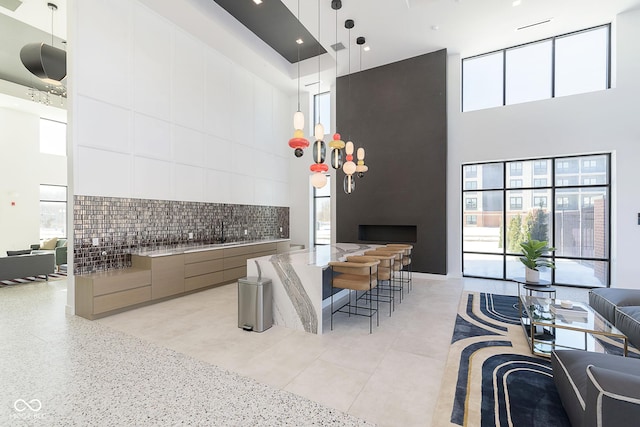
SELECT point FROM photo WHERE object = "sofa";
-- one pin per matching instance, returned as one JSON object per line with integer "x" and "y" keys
{"x": 19, "y": 266}
{"x": 57, "y": 246}
{"x": 600, "y": 389}
{"x": 621, "y": 307}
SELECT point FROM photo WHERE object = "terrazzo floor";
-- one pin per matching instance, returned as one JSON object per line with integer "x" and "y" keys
{"x": 186, "y": 362}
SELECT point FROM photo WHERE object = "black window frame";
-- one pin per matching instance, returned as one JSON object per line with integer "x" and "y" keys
{"x": 315, "y": 219}
{"x": 552, "y": 187}
{"x": 553, "y": 63}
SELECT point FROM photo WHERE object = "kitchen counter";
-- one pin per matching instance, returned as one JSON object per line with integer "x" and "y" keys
{"x": 192, "y": 248}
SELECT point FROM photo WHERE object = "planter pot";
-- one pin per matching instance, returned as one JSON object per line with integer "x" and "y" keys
{"x": 532, "y": 276}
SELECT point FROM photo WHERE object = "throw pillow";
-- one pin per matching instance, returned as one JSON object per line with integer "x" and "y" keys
{"x": 49, "y": 244}
{"x": 22, "y": 252}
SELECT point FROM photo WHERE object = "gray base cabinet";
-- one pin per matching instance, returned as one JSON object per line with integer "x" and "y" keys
{"x": 158, "y": 278}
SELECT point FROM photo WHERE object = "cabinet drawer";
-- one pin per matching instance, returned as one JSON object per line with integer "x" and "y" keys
{"x": 235, "y": 273}
{"x": 260, "y": 254}
{"x": 236, "y": 261}
{"x": 122, "y": 299}
{"x": 203, "y": 281}
{"x": 205, "y": 267}
{"x": 203, "y": 256}
{"x": 121, "y": 282}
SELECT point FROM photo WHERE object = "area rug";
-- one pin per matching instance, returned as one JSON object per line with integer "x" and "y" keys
{"x": 52, "y": 276}
{"x": 491, "y": 378}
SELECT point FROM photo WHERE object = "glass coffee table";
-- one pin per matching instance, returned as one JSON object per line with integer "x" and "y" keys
{"x": 547, "y": 331}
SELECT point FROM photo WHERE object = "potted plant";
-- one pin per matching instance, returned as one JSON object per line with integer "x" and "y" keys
{"x": 532, "y": 251}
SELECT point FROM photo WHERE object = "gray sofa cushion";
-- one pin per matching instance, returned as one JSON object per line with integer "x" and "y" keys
{"x": 570, "y": 377}
{"x": 613, "y": 398}
{"x": 605, "y": 300}
{"x": 628, "y": 321}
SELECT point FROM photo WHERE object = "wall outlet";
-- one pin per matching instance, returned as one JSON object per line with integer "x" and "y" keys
{"x": 95, "y": 241}
{"x": 191, "y": 235}
{"x": 245, "y": 232}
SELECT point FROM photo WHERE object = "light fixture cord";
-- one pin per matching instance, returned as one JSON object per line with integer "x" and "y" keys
{"x": 336, "y": 85}
{"x": 298, "y": 44}
{"x": 319, "y": 54}
{"x": 349, "y": 102}
{"x": 360, "y": 127}
{"x": 52, "y": 10}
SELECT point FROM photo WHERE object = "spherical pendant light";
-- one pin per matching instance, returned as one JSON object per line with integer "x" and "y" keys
{"x": 318, "y": 180}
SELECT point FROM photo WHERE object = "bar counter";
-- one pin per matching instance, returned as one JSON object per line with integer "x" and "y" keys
{"x": 297, "y": 282}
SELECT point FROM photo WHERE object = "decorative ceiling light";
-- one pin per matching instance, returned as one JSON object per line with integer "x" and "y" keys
{"x": 319, "y": 179}
{"x": 349, "y": 167}
{"x": 337, "y": 144}
{"x": 298, "y": 142}
{"x": 361, "y": 168}
{"x": 45, "y": 61}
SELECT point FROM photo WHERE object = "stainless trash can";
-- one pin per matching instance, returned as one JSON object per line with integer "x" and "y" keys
{"x": 255, "y": 302}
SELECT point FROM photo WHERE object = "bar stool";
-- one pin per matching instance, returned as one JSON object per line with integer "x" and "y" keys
{"x": 397, "y": 254}
{"x": 406, "y": 261}
{"x": 384, "y": 274}
{"x": 355, "y": 276}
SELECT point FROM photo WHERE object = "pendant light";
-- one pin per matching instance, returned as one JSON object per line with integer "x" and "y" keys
{"x": 349, "y": 167}
{"x": 336, "y": 145}
{"x": 361, "y": 168}
{"x": 319, "y": 179}
{"x": 298, "y": 142}
{"x": 46, "y": 62}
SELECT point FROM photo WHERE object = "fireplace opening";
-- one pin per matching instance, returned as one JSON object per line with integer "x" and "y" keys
{"x": 388, "y": 233}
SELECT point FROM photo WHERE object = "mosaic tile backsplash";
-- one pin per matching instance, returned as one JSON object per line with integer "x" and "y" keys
{"x": 123, "y": 225}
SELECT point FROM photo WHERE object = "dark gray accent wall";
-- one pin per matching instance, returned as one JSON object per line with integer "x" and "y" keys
{"x": 398, "y": 113}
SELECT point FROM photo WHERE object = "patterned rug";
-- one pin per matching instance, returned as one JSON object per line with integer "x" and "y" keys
{"x": 52, "y": 276}
{"x": 491, "y": 377}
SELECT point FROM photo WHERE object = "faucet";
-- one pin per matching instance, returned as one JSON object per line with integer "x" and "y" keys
{"x": 222, "y": 238}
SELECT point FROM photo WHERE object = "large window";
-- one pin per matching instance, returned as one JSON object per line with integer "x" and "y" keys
{"x": 571, "y": 213}
{"x": 53, "y": 137}
{"x": 322, "y": 111}
{"x": 53, "y": 211}
{"x": 569, "y": 64}
{"x": 322, "y": 214}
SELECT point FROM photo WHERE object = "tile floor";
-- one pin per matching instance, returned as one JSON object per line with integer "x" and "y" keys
{"x": 346, "y": 376}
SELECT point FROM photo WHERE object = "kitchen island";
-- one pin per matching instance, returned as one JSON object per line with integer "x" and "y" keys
{"x": 297, "y": 279}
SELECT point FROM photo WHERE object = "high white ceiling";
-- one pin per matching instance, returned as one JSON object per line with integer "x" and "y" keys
{"x": 394, "y": 29}
{"x": 400, "y": 29}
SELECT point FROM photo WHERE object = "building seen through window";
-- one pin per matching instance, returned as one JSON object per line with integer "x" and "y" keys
{"x": 572, "y": 214}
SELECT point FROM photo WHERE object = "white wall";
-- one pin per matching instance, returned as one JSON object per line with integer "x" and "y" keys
{"x": 160, "y": 114}
{"x": 605, "y": 121}
{"x": 24, "y": 168}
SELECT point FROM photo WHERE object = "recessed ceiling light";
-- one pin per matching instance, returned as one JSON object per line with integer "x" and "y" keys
{"x": 257, "y": 1}
{"x": 299, "y": 41}
{"x": 516, "y": 3}
{"x": 435, "y": 27}
{"x": 367, "y": 48}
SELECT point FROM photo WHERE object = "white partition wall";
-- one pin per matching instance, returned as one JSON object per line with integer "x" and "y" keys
{"x": 160, "y": 114}
{"x": 605, "y": 121}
